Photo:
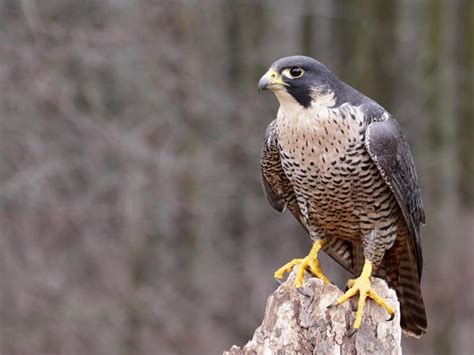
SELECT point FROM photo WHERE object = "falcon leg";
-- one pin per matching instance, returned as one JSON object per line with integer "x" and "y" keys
{"x": 310, "y": 262}
{"x": 363, "y": 286}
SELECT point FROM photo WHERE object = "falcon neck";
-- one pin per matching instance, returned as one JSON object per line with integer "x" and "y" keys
{"x": 292, "y": 110}
{"x": 294, "y": 114}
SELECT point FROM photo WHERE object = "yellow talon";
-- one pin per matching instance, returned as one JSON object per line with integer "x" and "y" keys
{"x": 363, "y": 286}
{"x": 351, "y": 282}
{"x": 286, "y": 268}
{"x": 310, "y": 262}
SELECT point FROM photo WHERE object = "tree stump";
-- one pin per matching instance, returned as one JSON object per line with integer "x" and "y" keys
{"x": 300, "y": 323}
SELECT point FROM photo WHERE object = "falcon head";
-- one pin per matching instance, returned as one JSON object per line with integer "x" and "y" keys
{"x": 300, "y": 79}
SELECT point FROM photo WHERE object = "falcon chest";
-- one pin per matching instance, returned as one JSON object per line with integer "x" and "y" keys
{"x": 323, "y": 155}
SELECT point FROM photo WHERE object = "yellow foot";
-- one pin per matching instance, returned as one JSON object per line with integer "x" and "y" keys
{"x": 363, "y": 286}
{"x": 310, "y": 262}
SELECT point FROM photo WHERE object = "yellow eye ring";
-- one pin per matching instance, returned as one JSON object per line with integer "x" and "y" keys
{"x": 293, "y": 72}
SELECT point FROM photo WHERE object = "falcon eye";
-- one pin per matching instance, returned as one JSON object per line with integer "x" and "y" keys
{"x": 294, "y": 72}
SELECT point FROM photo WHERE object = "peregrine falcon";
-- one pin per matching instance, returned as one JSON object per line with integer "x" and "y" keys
{"x": 340, "y": 163}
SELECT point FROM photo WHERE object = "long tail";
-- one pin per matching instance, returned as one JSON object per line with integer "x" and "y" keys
{"x": 402, "y": 274}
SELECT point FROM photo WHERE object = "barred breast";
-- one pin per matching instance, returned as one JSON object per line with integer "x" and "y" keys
{"x": 339, "y": 189}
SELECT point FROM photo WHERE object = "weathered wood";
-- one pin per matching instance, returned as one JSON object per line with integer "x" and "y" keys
{"x": 297, "y": 323}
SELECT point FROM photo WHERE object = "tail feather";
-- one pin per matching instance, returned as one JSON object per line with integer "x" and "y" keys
{"x": 402, "y": 274}
{"x": 348, "y": 254}
{"x": 413, "y": 320}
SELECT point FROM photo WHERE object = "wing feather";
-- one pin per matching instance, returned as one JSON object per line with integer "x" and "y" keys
{"x": 388, "y": 148}
{"x": 276, "y": 185}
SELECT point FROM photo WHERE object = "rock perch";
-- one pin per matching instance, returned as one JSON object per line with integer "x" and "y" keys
{"x": 302, "y": 324}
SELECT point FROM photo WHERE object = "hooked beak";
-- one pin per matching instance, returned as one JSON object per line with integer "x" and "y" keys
{"x": 271, "y": 80}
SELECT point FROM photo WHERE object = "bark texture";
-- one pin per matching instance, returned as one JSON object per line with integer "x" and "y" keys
{"x": 302, "y": 324}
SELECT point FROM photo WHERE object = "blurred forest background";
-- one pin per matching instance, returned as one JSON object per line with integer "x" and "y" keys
{"x": 132, "y": 220}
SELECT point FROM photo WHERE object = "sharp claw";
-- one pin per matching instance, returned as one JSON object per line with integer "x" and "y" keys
{"x": 332, "y": 305}
{"x": 279, "y": 282}
{"x": 351, "y": 332}
{"x": 392, "y": 317}
{"x": 309, "y": 263}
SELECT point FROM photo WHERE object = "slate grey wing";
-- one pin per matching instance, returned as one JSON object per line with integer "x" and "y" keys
{"x": 388, "y": 148}
{"x": 403, "y": 263}
{"x": 280, "y": 194}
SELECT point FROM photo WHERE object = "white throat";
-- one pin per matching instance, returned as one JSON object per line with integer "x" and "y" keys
{"x": 289, "y": 107}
